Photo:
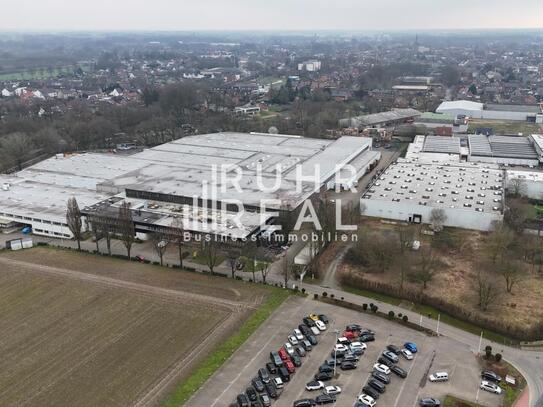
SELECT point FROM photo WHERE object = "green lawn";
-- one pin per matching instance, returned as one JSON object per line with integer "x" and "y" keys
{"x": 206, "y": 368}
{"x": 451, "y": 401}
{"x": 201, "y": 259}
{"x": 433, "y": 313}
{"x": 505, "y": 127}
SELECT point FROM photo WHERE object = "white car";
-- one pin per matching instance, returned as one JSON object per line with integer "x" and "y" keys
{"x": 381, "y": 368}
{"x": 367, "y": 400}
{"x": 439, "y": 377}
{"x": 278, "y": 383}
{"x": 491, "y": 387}
{"x": 332, "y": 390}
{"x": 338, "y": 347}
{"x": 298, "y": 334}
{"x": 320, "y": 325}
{"x": 315, "y": 330}
{"x": 407, "y": 354}
{"x": 289, "y": 349}
{"x": 357, "y": 346}
{"x": 292, "y": 339}
{"x": 315, "y": 385}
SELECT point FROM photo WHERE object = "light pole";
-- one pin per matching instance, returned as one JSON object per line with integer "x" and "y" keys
{"x": 335, "y": 351}
{"x": 480, "y": 343}
{"x": 437, "y": 329}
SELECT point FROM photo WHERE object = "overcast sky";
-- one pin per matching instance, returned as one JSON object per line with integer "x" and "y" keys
{"x": 193, "y": 15}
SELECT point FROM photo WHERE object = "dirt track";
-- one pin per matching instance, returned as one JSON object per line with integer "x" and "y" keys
{"x": 75, "y": 338}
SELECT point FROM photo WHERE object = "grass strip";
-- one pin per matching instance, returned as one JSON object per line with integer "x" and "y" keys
{"x": 208, "y": 366}
{"x": 451, "y": 401}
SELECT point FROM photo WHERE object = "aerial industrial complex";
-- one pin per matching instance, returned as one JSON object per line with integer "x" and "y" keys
{"x": 162, "y": 182}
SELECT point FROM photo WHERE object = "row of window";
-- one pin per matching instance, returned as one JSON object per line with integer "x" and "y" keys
{"x": 26, "y": 218}
{"x": 47, "y": 232}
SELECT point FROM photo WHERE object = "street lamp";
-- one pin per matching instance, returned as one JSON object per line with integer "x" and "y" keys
{"x": 335, "y": 351}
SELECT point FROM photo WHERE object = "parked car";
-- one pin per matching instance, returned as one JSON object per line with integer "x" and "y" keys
{"x": 283, "y": 355}
{"x": 256, "y": 403}
{"x": 349, "y": 357}
{"x": 338, "y": 347}
{"x": 366, "y": 400}
{"x": 385, "y": 361}
{"x": 289, "y": 349}
{"x": 271, "y": 367}
{"x": 323, "y": 376}
{"x": 271, "y": 390}
{"x": 312, "y": 340}
{"x": 407, "y": 354}
{"x": 377, "y": 385}
{"x": 307, "y": 345}
{"x": 314, "y": 317}
{"x": 411, "y": 347}
{"x": 429, "y": 402}
{"x": 296, "y": 360}
{"x": 284, "y": 374}
{"x": 324, "y": 319}
{"x": 351, "y": 336}
{"x": 398, "y": 371}
{"x": 366, "y": 338}
{"x": 393, "y": 348}
{"x": 304, "y": 329}
{"x": 304, "y": 403}
{"x": 243, "y": 401}
{"x": 315, "y": 331}
{"x": 314, "y": 385}
{"x": 491, "y": 376}
{"x": 298, "y": 334}
{"x": 320, "y": 325}
{"x": 381, "y": 368}
{"x": 251, "y": 393}
{"x": 381, "y": 377}
{"x": 390, "y": 356}
{"x": 331, "y": 361}
{"x": 264, "y": 376}
{"x": 332, "y": 390}
{"x": 370, "y": 391}
{"x": 358, "y": 347}
{"x": 353, "y": 328}
{"x": 308, "y": 322}
{"x": 325, "y": 368}
{"x": 343, "y": 340}
{"x": 325, "y": 399}
{"x": 290, "y": 366}
{"x": 265, "y": 400}
{"x": 292, "y": 339}
{"x": 439, "y": 377}
{"x": 491, "y": 387}
{"x": 300, "y": 351}
{"x": 258, "y": 385}
{"x": 278, "y": 383}
{"x": 348, "y": 365}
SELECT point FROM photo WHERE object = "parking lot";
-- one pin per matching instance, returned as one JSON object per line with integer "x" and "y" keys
{"x": 435, "y": 354}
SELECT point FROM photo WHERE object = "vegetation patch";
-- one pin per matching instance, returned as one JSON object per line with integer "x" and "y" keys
{"x": 451, "y": 401}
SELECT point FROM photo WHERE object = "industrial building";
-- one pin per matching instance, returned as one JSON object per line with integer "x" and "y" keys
{"x": 470, "y": 194}
{"x": 383, "y": 119}
{"x": 505, "y": 150}
{"x": 475, "y": 110}
{"x": 161, "y": 183}
{"x": 527, "y": 183}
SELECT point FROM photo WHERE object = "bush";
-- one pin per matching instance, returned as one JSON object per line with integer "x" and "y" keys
{"x": 332, "y": 295}
{"x": 365, "y": 307}
{"x": 342, "y": 298}
{"x": 374, "y": 308}
{"x": 498, "y": 357}
{"x": 400, "y": 315}
{"x": 390, "y": 314}
{"x": 325, "y": 294}
{"x": 404, "y": 318}
{"x": 315, "y": 296}
{"x": 303, "y": 290}
{"x": 488, "y": 351}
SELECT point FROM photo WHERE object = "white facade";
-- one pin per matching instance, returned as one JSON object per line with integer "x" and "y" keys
{"x": 531, "y": 181}
{"x": 310, "y": 66}
{"x": 477, "y": 110}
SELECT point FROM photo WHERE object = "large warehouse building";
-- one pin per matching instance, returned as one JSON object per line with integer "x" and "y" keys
{"x": 475, "y": 110}
{"x": 162, "y": 181}
{"x": 470, "y": 195}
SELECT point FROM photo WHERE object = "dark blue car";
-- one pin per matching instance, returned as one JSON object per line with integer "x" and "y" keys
{"x": 411, "y": 347}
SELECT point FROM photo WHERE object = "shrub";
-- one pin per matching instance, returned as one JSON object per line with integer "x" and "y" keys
{"x": 365, "y": 307}
{"x": 325, "y": 294}
{"x": 303, "y": 290}
{"x": 404, "y": 318}
{"x": 390, "y": 314}
{"x": 488, "y": 351}
{"x": 498, "y": 357}
{"x": 400, "y": 315}
{"x": 374, "y": 308}
{"x": 315, "y": 296}
{"x": 342, "y": 298}
{"x": 332, "y": 295}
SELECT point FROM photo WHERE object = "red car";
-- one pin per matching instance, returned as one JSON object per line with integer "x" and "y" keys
{"x": 290, "y": 366}
{"x": 349, "y": 335}
{"x": 283, "y": 354}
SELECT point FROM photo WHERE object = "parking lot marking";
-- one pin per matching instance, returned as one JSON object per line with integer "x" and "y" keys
{"x": 405, "y": 380}
{"x": 262, "y": 349}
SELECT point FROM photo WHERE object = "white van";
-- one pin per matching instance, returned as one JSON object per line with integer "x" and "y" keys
{"x": 439, "y": 377}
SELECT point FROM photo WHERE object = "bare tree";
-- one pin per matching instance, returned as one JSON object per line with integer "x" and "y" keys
{"x": 499, "y": 241}
{"x": 160, "y": 244}
{"x": 486, "y": 290}
{"x": 74, "y": 220}
{"x": 517, "y": 187}
{"x": 286, "y": 267}
{"x": 211, "y": 253}
{"x": 233, "y": 256}
{"x": 426, "y": 267}
{"x": 126, "y": 228}
{"x": 16, "y": 147}
{"x": 438, "y": 217}
{"x": 177, "y": 236}
{"x": 511, "y": 272}
{"x": 95, "y": 229}
{"x": 405, "y": 241}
